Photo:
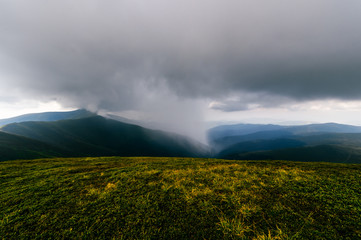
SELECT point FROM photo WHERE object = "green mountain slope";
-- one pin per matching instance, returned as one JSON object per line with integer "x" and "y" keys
{"x": 260, "y": 145}
{"x": 225, "y": 142}
{"x": 178, "y": 198}
{"x": 344, "y": 139}
{"x": 48, "y": 116}
{"x": 17, "y": 147}
{"x": 98, "y": 136}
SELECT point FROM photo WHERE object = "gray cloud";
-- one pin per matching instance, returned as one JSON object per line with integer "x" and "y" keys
{"x": 248, "y": 101}
{"x": 119, "y": 55}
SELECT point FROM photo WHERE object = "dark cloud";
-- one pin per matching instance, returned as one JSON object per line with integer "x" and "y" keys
{"x": 120, "y": 55}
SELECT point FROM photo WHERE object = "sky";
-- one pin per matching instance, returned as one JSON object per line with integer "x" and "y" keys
{"x": 182, "y": 63}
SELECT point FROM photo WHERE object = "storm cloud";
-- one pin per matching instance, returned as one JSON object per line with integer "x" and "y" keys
{"x": 131, "y": 54}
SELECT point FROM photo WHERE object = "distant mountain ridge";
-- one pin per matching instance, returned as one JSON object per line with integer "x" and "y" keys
{"x": 48, "y": 116}
{"x": 98, "y": 136}
{"x": 222, "y": 131}
{"x": 82, "y": 133}
{"x": 231, "y": 134}
{"x": 256, "y": 141}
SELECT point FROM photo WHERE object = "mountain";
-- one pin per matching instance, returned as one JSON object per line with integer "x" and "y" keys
{"x": 123, "y": 119}
{"x": 222, "y": 143}
{"x": 48, "y": 116}
{"x": 82, "y": 133}
{"x": 222, "y": 131}
{"x": 247, "y": 129}
{"x": 323, "y": 128}
{"x": 344, "y": 139}
{"x": 328, "y": 142}
{"x": 348, "y": 142}
{"x": 16, "y": 147}
{"x": 260, "y": 145}
{"x": 98, "y": 136}
{"x": 219, "y": 139}
{"x": 319, "y": 153}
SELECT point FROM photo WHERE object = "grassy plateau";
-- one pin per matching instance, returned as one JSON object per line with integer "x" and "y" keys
{"x": 178, "y": 198}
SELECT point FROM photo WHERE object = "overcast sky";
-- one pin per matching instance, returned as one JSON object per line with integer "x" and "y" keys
{"x": 184, "y": 61}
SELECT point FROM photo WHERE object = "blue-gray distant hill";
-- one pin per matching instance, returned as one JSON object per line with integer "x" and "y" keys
{"x": 226, "y": 135}
{"x": 99, "y": 136}
{"x": 48, "y": 116}
{"x": 329, "y": 142}
{"x": 222, "y": 131}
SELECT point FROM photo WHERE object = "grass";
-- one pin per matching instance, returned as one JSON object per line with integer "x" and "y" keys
{"x": 178, "y": 198}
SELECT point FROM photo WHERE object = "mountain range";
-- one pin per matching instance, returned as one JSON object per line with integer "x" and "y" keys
{"x": 329, "y": 142}
{"x": 82, "y": 133}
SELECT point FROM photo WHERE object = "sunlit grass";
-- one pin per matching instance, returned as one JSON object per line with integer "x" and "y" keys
{"x": 176, "y": 198}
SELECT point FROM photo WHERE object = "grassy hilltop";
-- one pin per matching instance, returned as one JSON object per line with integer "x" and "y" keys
{"x": 178, "y": 198}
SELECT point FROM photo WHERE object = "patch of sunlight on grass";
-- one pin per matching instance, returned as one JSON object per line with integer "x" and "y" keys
{"x": 197, "y": 192}
{"x": 151, "y": 172}
{"x": 237, "y": 228}
{"x": 166, "y": 186}
{"x": 101, "y": 191}
{"x": 234, "y": 228}
{"x": 201, "y": 191}
{"x": 249, "y": 209}
{"x": 279, "y": 236}
{"x": 282, "y": 176}
{"x": 110, "y": 187}
{"x": 94, "y": 191}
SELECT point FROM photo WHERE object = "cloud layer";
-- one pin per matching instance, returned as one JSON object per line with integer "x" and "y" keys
{"x": 131, "y": 54}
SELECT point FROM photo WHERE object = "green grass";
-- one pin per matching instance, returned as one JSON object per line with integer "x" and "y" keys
{"x": 177, "y": 198}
